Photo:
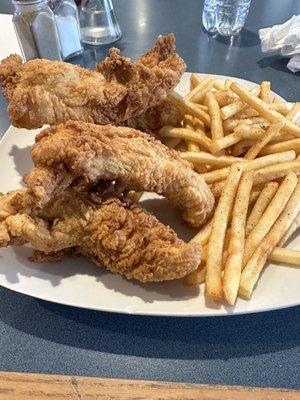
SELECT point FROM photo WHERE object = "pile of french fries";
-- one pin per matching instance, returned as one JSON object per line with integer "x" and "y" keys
{"x": 246, "y": 146}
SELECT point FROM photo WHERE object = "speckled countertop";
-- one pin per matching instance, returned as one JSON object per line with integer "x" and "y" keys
{"x": 255, "y": 350}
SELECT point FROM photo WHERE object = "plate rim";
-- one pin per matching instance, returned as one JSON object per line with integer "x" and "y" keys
{"x": 216, "y": 313}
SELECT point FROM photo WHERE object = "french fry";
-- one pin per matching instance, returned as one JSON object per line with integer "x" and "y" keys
{"x": 276, "y": 171}
{"x": 237, "y": 106}
{"x": 219, "y": 85}
{"x": 173, "y": 142}
{"x": 181, "y": 147}
{"x": 240, "y": 148}
{"x": 278, "y": 255}
{"x": 231, "y": 109}
{"x": 257, "y": 164}
{"x": 201, "y": 157}
{"x": 294, "y": 226}
{"x": 262, "y": 202}
{"x": 246, "y": 113}
{"x": 293, "y": 144}
{"x": 233, "y": 266}
{"x": 200, "y": 128}
{"x": 231, "y": 123}
{"x": 217, "y": 188}
{"x": 293, "y": 112}
{"x": 264, "y": 110}
{"x": 169, "y": 131}
{"x": 265, "y": 88}
{"x": 187, "y": 107}
{"x": 260, "y": 128}
{"x": 250, "y": 131}
{"x": 192, "y": 146}
{"x": 285, "y": 256}
{"x": 199, "y": 87}
{"x": 258, "y": 146}
{"x": 203, "y": 235}
{"x": 282, "y": 137}
{"x": 213, "y": 281}
{"x": 256, "y": 263}
{"x": 224, "y": 97}
{"x": 188, "y": 124}
{"x": 198, "y": 94}
{"x": 134, "y": 196}
{"x": 269, "y": 216}
{"x": 215, "y": 117}
{"x": 240, "y": 132}
{"x": 196, "y": 277}
{"x": 227, "y": 141}
{"x": 254, "y": 195}
{"x": 227, "y": 84}
{"x": 283, "y": 107}
{"x": 194, "y": 81}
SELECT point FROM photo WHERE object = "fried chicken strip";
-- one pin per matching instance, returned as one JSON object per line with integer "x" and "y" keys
{"x": 116, "y": 234}
{"x": 50, "y": 92}
{"x": 132, "y": 158}
{"x": 155, "y": 118}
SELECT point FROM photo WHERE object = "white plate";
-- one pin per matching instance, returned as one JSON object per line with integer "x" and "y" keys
{"x": 77, "y": 282}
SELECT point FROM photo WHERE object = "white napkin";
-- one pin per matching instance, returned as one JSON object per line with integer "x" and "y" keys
{"x": 284, "y": 38}
{"x": 8, "y": 39}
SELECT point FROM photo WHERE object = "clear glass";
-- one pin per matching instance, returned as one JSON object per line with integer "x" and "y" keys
{"x": 67, "y": 21}
{"x": 36, "y": 30}
{"x": 227, "y": 17}
{"x": 98, "y": 22}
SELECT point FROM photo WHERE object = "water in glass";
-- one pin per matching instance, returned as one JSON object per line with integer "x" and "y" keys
{"x": 98, "y": 22}
{"x": 227, "y": 17}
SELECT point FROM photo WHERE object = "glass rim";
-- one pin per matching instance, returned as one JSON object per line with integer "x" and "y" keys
{"x": 27, "y": 2}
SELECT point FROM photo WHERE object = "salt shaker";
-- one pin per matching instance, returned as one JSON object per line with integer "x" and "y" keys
{"x": 67, "y": 21}
{"x": 36, "y": 30}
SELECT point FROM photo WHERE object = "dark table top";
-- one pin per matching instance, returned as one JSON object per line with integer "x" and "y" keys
{"x": 255, "y": 350}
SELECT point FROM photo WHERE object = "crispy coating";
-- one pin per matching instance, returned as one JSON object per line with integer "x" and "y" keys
{"x": 115, "y": 234}
{"x": 155, "y": 118}
{"x": 50, "y": 92}
{"x": 132, "y": 158}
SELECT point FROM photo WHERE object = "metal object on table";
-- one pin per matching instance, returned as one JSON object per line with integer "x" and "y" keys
{"x": 67, "y": 21}
{"x": 98, "y": 22}
{"x": 36, "y": 30}
{"x": 226, "y": 17}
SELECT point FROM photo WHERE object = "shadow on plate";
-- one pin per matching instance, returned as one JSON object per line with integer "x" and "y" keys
{"x": 56, "y": 272}
{"x": 53, "y": 272}
{"x": 22, "y": 160}
{"x": 154, "y": 337}
{"x": 169, "y": 215}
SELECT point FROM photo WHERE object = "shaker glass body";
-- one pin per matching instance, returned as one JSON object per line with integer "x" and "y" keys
{"x": 36, "y": 30}
{"x": 67, "y": 21}
{"x": 98, "y": 22}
